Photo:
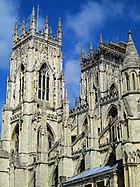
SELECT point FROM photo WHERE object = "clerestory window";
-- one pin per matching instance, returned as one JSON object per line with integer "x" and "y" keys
{"x": 43, "y": 83}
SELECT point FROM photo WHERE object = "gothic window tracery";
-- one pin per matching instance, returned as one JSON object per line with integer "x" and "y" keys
{"x": 112, "y": 125}
{"x": 113, "y": 89}
{"x": 43, "y": 83}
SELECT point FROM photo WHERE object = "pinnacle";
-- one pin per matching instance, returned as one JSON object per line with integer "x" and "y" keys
{"x": 46, "y": 21}
{"x": 101, "y": 39}
{"x": 23, "y": 27}
{"x": 59, "y": 22}
{"x": 66, "y": 100}
{"x": 130, "y": 36}
{"x": 59, "y": 31}
{"x": 32, "y": 21}
{"x": 16, "y": 25}
{"x": 90, "y": 50}
{"x": 23, "y": 23}
{"x": 131, "y": 55}
{"x": 33, "y": 11}
{"x": 15, "y": 37}
{"x": 90, "y": 46}
{"x": 82, "y": 52}
{"x": 50, "y": 31}
{"x": 33, "y": 15}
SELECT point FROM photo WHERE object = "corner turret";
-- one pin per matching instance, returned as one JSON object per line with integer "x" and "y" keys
{"x": 131, "y": 55}
{"x": 130, "y": 79}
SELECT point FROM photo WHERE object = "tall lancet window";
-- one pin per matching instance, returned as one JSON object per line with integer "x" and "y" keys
{"x": 21, "y": 86}
{"x": 43, "y": 83}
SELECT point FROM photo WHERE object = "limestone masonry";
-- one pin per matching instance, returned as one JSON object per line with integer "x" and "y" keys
{"x": 43, "y": 143}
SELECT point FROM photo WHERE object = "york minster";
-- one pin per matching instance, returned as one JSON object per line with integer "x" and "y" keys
{"x": 43, "y": 142}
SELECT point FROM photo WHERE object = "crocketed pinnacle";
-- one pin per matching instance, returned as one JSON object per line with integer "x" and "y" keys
{"x": 131, "y": 54}
{"x": 59, "y": 30}
{"x": 23, "y": 28}
{"x": 46, "y": 27}
{"x": 59, "y": 23}
{"x": 101, "y": 39}
{"x": 66, "y": 100}
{"x": 82, "y": 52}
{"x": 15, "y": 36}
{"x": 32, "y": 21}
{"x": 51, "y": 33}
{"x": 90, "y": 49}
{"x": 46, "y": 22}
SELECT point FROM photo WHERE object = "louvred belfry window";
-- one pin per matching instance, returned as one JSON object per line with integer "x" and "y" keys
{"x": 43, "y": 83}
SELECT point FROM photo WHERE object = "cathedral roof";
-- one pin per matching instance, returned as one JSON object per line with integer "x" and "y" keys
{"x": 131, "y": 55}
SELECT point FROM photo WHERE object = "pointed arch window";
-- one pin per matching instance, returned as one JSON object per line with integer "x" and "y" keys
{"x": 50, "y": 137}
{"x": 139, "y": 80}
{"x": 38, "y": 140}
{"x": 112, "y": 115}
{"x": 127, "y": 82}
{"x": 15, "y": 138}
{"x": 43, "y": 83}
{"x": 133, "y": 81}
{"x": 21, "y": 86}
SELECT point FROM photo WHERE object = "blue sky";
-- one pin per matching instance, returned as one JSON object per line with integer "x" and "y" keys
{"x": 82, "y": 21}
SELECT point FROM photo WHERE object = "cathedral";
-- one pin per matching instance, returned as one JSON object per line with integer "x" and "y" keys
{"x": 43, "y": 142}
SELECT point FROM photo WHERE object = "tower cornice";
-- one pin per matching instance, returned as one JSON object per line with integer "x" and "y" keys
{"x": 38, "y": 36}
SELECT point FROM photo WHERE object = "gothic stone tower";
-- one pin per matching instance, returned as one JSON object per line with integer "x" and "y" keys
{"x": 32, "y": 115}
{"x": 105, "y": 120}
{"x": 43, "y": 143}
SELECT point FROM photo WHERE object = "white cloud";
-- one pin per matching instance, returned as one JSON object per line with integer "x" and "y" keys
{"x": 8, "y": 15}
{"x": 87, "y": 20}
{"x": 95, "y": 14}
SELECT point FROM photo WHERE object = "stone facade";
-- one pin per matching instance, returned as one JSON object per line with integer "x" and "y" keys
{"x": 43, "y": 142}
